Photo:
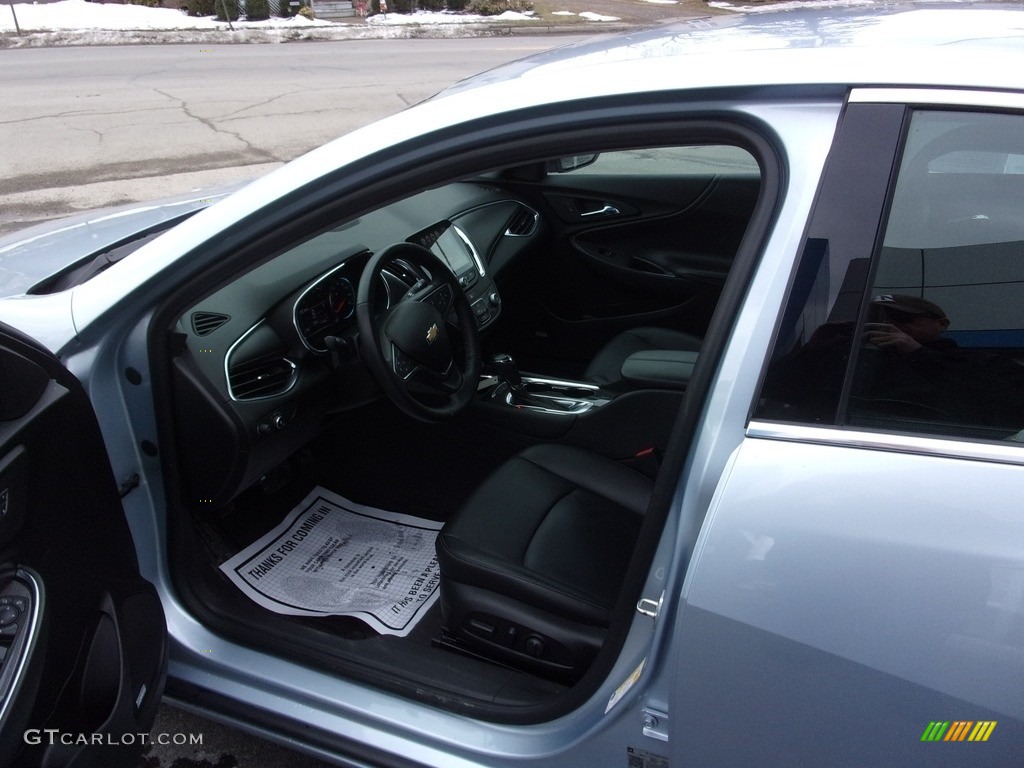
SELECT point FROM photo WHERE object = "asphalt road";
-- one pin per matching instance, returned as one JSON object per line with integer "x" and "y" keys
{"x": 87, "y": 127}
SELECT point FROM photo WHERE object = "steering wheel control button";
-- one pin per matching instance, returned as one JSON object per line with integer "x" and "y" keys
{"x": 8, "y": 615}
{"x": 441, "y": 299}
{"x": 404, "y": 365}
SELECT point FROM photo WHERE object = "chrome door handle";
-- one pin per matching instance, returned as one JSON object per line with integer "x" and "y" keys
{"x": 606, "y": 210}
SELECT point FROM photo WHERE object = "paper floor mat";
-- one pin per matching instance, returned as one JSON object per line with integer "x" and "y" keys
{"x": 333, "y": 557}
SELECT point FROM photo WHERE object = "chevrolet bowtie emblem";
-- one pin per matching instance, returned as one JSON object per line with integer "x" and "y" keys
{"x": 432, "y": 333}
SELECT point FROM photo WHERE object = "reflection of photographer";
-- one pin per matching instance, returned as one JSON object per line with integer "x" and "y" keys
{"x": 906, "y": 323}
{"x": 907, "y": 368}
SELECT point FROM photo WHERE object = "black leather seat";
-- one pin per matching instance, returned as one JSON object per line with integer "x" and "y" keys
{"x": 532, "y": 565}
{"x": 605, "y": 369}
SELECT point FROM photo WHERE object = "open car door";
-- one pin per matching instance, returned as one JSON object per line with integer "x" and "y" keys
{"x": 83, "y": 643}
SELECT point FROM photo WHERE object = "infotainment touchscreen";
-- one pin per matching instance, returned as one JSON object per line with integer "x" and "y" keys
{"x": 456, "y": 251}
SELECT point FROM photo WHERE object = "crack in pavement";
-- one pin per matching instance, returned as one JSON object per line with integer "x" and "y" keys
{"x": 82, "y": 113}
{"x": 86, "y": 129}
{"x": 271, "y": 100}
{"x": 259, "y": 152}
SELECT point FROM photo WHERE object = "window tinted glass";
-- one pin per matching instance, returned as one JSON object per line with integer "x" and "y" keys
{"x": 943, "y": 345}
{"x": 928, "y": 336}
{"x": 814, "y": 339}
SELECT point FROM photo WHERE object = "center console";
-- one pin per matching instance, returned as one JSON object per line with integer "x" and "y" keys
{"x": 627, "y": 426}
{"x": 450, "y": 244}
{"x": 561, "y": 398}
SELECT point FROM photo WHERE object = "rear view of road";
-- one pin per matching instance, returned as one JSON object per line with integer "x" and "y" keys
{"x": 87, "y": 127}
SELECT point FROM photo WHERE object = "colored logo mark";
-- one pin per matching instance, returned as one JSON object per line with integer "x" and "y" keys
{"x": 958, "y": 730}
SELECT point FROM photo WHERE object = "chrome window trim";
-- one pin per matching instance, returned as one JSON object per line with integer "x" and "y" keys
{"x": 938, "y": 97}
{"x": 1010, "y": 452}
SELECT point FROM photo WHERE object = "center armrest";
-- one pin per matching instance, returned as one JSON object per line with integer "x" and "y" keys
{"x": 659, "y": 368}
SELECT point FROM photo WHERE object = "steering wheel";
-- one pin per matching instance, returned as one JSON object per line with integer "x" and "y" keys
{"x": 414, "y": 348}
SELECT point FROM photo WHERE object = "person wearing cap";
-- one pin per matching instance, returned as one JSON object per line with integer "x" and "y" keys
{"x": 909, "y": 368}
{"x": 906, "y": 369}
{"x": 908, "y": 323}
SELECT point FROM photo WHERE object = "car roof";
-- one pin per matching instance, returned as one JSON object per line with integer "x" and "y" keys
{"x": 924, "y": 45}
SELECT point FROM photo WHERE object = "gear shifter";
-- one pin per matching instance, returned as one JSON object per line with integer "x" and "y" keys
{"x": 504, "y": 366}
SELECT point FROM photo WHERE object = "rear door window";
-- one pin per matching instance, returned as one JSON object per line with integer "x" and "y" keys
{"x": 928, "y": 335}
{"x": 942, "y": 346}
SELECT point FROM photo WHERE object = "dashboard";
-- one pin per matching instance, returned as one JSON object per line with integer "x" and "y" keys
{"x": 265, "y": 358}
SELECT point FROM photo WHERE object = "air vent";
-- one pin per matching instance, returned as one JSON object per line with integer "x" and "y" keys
{"x": 257, "y": 379}
{"x": 205, "y": 323}
{"x": 523, "y": 223}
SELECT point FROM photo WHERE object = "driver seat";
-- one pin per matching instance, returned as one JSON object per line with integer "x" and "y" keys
{"x": 532, "y": 564}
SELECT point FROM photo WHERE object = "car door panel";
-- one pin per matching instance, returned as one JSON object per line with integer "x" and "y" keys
{"x": 854, "y": 613}
{"x": 625, "y": 251}
{"x": 82, "y": 635}
{"x": 660, "y": 237}
{"x": 678, "y": 227}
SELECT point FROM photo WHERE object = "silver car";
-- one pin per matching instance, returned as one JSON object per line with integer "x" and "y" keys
{"x": 653, "y": 401}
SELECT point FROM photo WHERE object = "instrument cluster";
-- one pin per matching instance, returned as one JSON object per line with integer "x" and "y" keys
{"x": 326, "y": 308}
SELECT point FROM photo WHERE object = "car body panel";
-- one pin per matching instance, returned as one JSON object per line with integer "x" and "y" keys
{"x": 28, "y": 256}
{"x": 856, "y": 40}
{"x": 921, "y": 606}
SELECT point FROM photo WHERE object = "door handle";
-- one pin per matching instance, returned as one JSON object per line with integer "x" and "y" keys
{"x": 605, "y": 210}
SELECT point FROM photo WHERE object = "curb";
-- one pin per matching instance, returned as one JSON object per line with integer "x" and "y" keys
{"x": 94, "y": 37}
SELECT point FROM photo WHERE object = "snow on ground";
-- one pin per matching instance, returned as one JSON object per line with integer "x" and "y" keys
{"x": 588, "y": 16}
{"x": 78, "y": 22}
{"x": 429, "y": 17}
{"x": 81, "y": 15}
{"x": 788, "y": 5}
